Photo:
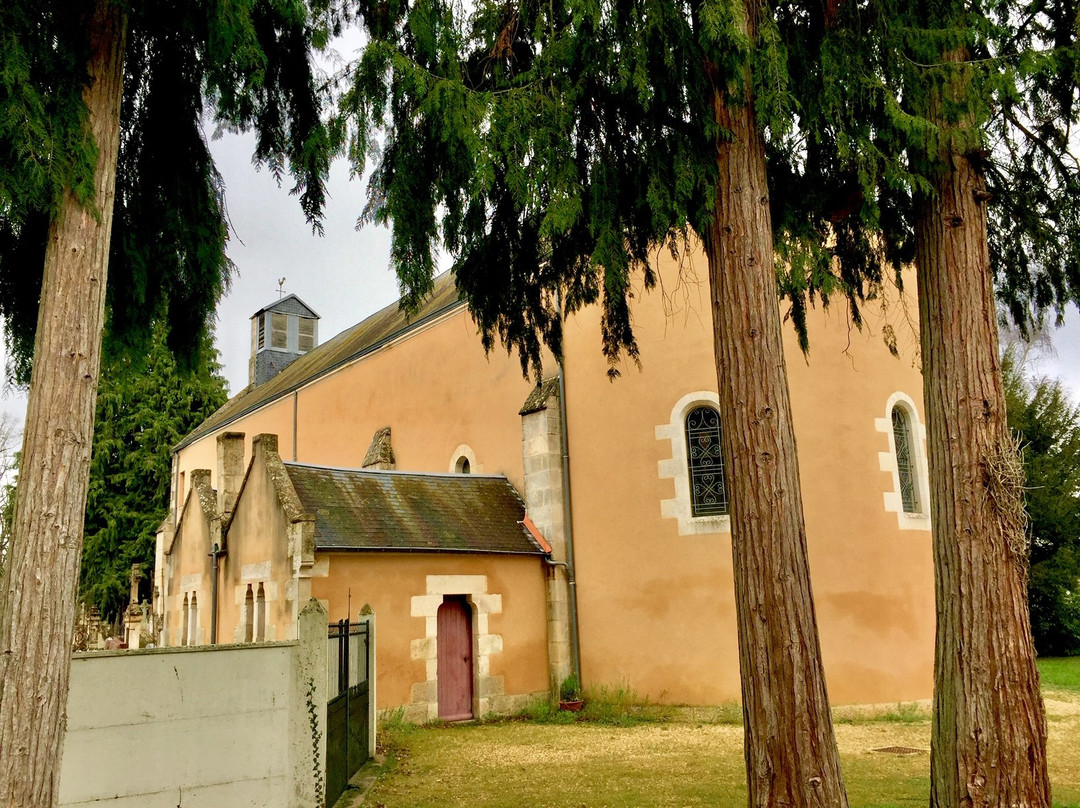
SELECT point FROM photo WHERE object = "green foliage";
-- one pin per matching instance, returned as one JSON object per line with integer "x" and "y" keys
{"x": 620, "y": 705}
{"x": 901, "y": 713}
{"x": 1060, "y": 673}
{"x": 7, "y": 522}
{"x": 570, "y": 688}
{"x": 1048, "y": 426}
{"x": 146, "y": 405}
{"x": 543, "y": 711}
{"x": 549, "y": 147}
{"x": 617, "y": 705}
{"x": 888, "y": 91}
{"x": 393, "y": 721}
{"x": 43, "y": 59}
{"x": 245, "y": 65}
{"x": 9, "y": 465}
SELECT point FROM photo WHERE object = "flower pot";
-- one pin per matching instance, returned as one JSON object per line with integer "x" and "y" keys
{"x": 571, "y": 705}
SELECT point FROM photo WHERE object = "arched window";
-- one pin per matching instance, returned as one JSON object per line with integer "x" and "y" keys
{"x": 463, "y": 461}
{"x": 193, "y": 625}
{"x": 249, "y": 614}
{"x": 705, "y": 461}
{"x": 184, "y": 627}
{"x": 260, "y": 615}
{"x": 905, "y": 459}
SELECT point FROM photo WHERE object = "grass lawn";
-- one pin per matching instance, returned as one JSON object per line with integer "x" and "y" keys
{"x": 681, "y": 761}
{"x": 1060, "y": 673}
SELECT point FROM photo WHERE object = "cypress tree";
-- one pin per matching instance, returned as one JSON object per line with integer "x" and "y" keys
{"x": 551, "y": 148}
{"x": 86, "y": 85}
{"x": 146, "y": 404}
{"x": 1047, "y": 425}
{"x": 946, "y": 126}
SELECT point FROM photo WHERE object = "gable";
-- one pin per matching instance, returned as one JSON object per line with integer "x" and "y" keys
{"x": 290, "y": 304}
{"x": 198, "y": 511}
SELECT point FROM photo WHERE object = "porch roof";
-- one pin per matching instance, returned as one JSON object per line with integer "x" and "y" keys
{"x": 408, "y": 511}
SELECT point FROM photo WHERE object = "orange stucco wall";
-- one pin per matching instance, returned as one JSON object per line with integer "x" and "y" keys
{"x": 258, "y": 553}
{"x": 656, "y": 607}
{"x": 390, "y": 581}
{"x": 190, "y": 573}
{"x": 428, "y": 388}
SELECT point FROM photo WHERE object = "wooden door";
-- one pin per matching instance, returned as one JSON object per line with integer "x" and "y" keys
{"x": 455, "y": 659}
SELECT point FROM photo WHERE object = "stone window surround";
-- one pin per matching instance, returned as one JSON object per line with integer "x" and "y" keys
{"x": 190, "y": 632}
{"x": 185, "y": 618}
{"x": 677, "y": 468}
{"x": 464, "y": 451}
{"x": 485, "y": 644}
{"x": 248, "y": 618}
{"x": 260, "y": 612}
{"x": 920, "y": 520}
{"x": 253, "y": 576}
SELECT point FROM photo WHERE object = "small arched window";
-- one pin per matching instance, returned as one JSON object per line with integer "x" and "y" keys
{"x": 260, "y": 615}
{"x": 708, "y": 496}
{"x": 193, "y": 618}
{"x": 463, "y": 466}
{"x": 249, "y": 614}
{"x": 184, "y": 626}
{"x": 905, "y": 459}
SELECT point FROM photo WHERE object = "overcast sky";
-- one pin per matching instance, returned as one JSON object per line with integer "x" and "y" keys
{"x": 344, "y": 275}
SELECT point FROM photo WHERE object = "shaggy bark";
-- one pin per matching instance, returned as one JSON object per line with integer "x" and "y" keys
{"x": 41, "y": 585}
{"x": 790, "y": 746}
{"x": 988, "y": 744}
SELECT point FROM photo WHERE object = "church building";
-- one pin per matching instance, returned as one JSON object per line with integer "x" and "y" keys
{"x": 504, "y": 530}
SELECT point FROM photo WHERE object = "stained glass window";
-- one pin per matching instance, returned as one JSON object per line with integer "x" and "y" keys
{"x": 905, "y": 465}
{"x": 708, "y": 497}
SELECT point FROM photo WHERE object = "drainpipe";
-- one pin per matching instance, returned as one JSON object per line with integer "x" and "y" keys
{"x": 214, "y": 554}
{"x": 568, "y": 511}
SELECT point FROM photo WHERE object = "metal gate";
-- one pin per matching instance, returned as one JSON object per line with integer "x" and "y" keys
{"x": 348, "y": 706}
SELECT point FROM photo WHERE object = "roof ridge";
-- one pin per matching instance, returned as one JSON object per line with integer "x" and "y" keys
{"x": 398, "y": 472}
{"x": 336, "y": 352}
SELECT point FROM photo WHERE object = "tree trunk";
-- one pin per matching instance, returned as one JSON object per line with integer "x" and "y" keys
{"x": 790, "y": 747}
{"x": 42, "y": 581}
{"x": 988, "y": 745}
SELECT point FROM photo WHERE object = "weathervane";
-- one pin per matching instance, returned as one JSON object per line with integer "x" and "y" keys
{"x": 281, "y": 288}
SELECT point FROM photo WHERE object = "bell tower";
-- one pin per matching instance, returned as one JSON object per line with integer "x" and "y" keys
{"x": 280, "y": 334}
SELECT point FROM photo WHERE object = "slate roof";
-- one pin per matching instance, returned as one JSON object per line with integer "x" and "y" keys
{"x": 290, "y": 304}
{"x": 363, "y": 338}
{"x": 539, "y": 396}
{"x": 405, "y": 511}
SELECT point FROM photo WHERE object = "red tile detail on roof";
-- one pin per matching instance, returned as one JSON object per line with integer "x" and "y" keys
{"x": 530, "y": 526}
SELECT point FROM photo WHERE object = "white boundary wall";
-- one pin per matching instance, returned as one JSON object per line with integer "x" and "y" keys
{"x": 232, "y": 725}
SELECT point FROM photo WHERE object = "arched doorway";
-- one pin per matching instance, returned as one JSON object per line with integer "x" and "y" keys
{"x": 455, "y": 659}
